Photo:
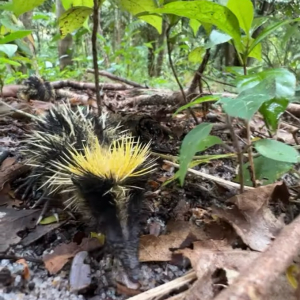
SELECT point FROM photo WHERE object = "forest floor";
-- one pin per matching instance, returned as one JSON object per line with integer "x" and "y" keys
{"x": 198, "y": 239}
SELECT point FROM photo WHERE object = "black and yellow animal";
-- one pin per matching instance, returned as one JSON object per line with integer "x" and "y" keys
{"x": 99, "y": 167}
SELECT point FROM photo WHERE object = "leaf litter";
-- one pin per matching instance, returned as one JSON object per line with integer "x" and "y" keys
{"x": 218, "y": 234}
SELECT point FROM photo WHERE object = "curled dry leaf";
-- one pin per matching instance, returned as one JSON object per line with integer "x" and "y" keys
{"x": 206, "y": 258}
{"x": 55, "y": 261}
{"x": 26, "y": 271}
{"x": 251, "y": 217}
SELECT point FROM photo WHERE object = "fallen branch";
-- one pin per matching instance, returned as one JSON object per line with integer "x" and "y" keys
{"x": 294, "y": 109}
{"x": 88, "y": 85}
{"x": 166, "y": 288}
{"x": 210, "y": 177}
{"x": 254, "y": 282}
{"x": 117, "y": 78}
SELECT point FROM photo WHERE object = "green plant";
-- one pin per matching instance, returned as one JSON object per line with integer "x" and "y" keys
{"x": 267, "y": 91}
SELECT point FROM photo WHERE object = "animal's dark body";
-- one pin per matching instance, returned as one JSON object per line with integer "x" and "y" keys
{"x": 102, "y": 171}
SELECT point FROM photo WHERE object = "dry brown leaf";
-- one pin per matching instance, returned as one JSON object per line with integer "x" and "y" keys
{"x": 55, "y": 261}
{"x": 206, "y": 258}
{"x": 26, "y": 271}
{"x": 9, "y": 170}
{"x": 154, "y": 248}
{"x": 40, "y": 107}
{"x": 251, "y": 218}
{"x": 11, "y": 222}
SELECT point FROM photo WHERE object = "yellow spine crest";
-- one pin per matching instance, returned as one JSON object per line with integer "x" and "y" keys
{"x": 121, "y": 160}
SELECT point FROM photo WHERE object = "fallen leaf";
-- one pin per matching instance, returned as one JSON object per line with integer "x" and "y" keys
{"x": 26, "y": 272}
{"x": 55, "y": 261}
{"x": 180, "y": 234}
{"x": 80, "y": 273}
{"x": 209, "y": 256}
{"x": 10, "y": 169}
{"x": 124, "y": 290}
{"x": 39, "y": 232}
{"x": 39, "y": 107}
{"x": 206, "y": 258}
{"x": 251, "y": 218}
{"x": 11, "y": 222}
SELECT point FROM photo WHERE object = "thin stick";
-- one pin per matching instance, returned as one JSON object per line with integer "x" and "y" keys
{"x": 95, "y": 55}
{"x": 27, "y": 258}
{"x": 213, "y": 178}
{"x": 239, "y": 153}
{"x": 175, "y": 75}
{"x": 250, "y": 156}
{"x": 166, "y": 288}
{"x": 19, "y": 111}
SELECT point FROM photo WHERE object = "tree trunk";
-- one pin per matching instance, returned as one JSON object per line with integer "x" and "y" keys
{"x": 65, "y": 44}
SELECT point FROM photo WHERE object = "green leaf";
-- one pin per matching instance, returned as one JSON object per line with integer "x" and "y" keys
{"x": 267, "y": 170}
{"x": 208, "y": 142}
{"x": 249, "y": 101}
{"x": 86, "y": 3}
{"x": 9, "y": 61}
{"x": 66, "y": 4}
{"x": 195, "y": 24}
{"x": 207, "y": 27}
{"x": 276, "y": 150}
{"x": 136, "y": 7}
{"x": 22, "y": 59}
{"x": 268, "y": 30}
{"x": 195, "y": 56}
{"x": 48, "y": 220}
{"x": 257, "y": 22}
{"x": 190, "y": 145}
{"x": 73, "y": 19}
{"x": 41, "y": 17}
{"x": 243, "y": 9}
{"x": 195, "y": 102}
{"x": 14, "y": 36}
{"x": 216, "y": 37}
{"x": 8, "y": 49}
{"x": 272, "y": 111}
{"x": 19, "y": 7}
{"x": 207, "y": 12}
{"x": 256, "y": 52}
{"x": 285, "y": 81}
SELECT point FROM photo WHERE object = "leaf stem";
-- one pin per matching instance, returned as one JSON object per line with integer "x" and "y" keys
{"x": 175, "y": 75}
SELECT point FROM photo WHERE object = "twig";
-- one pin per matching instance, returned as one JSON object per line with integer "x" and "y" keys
{"x": 175, "y": 75}
{"x": 167, "y": 287}
{"x": 27, "y": 258}
{"x": 19, "y": 111}
{"x": 215, "y": 80}
{"x": 239, "y": 153}
{"x": 292, "y": 116}
{"x": 210, "y": 177}
{"x": 178, "y": 297}
{"x": 198, "y": 74}
{"x": 250, "y": 156}
{"x": 255, "y": 281}
{"x": 95, "y": 55}
{"x": 117, "y": 78}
